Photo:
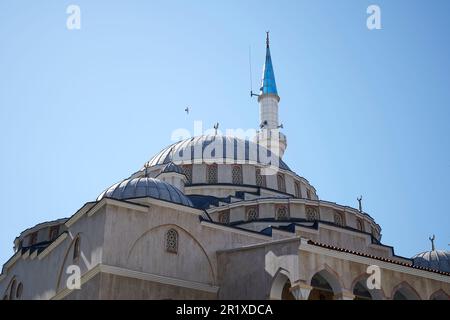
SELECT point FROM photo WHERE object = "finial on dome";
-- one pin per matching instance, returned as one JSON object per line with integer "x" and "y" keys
{"x": 267, "y": 38}
{"x": 360, "y": 203}
{"x": 216, "y": 127}
{"x": 432, "y": 242}
{"x": 146, "y": 166}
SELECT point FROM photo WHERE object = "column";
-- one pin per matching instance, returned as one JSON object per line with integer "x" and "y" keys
{"x": 301, "y": 291}
{"x": 344, "y": 295}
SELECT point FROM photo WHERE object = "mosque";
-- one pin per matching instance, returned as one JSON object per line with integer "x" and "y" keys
{"x": 219, "y": 217}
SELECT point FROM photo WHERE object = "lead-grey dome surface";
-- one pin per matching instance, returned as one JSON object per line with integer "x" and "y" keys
{"x": 436, "y": 260}
{"x": 172, "y": 167}
{"x": 145, "y": 187}
{"x": 216, "y": 148}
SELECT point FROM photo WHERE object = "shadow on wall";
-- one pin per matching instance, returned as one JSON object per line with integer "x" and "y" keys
{"x": 184, "y": 257}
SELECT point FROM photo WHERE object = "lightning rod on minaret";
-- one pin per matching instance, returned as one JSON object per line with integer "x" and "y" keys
{"x": 251, "y": 76}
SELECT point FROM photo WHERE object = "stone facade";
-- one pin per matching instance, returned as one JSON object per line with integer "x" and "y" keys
{"x": 123, "y": 255}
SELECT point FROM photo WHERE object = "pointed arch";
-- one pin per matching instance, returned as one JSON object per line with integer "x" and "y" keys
{"x": 326, "y": 280}
{"x": 281, "y": 182}
{"x": 404, "y": 291}
{"x": 297, "y": 189}
{"x": 74, "y": 239}
{"x": 10, "y": 293}
{"x": 440, "y": 295}
{"x": 183, "y": 231}
{"x": 362, "y": 279}
{"x": 281, "y": 283}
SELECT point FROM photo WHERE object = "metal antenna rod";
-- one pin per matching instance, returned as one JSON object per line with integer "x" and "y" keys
{"x": 250, "y": 68}
{"x": 251, "y": 75}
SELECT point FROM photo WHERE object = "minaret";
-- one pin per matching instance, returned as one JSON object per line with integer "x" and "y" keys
{"x": 269, "y": 134}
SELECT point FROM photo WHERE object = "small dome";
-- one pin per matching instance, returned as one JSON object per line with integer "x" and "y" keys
{"x": 145, "y": 187}
{"x": 436, "y": 260}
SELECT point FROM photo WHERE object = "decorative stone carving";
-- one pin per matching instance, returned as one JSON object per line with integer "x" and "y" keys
{"x": 172, "y": 241}
{"x": 312, "y": 214}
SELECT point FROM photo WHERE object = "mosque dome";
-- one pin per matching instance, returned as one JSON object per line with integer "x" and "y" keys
{"x": 435, "y": 259}
{"x": 216, "y": 148}
{"x": 145, "y": 187}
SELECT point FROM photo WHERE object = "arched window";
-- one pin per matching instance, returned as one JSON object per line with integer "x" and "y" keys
{"x": 237, "y": 174}
{"x": 12, "y": 289}
{"x": 361, "y": 292}
{"x": 172, "y": 241}
{"x": 404, "y": 291}
{"x": 19, "y": 290}
{"x": 187, "y": 170}
{"x": 400, "y": 296}
{"x": 322, "y": 289}
{"x": 281, "y": 183}
{"x": 76, "y": 249}
{"x": 298, "y": 190}
{"x": 224, "y": 217}
{"x": 312, "y": 214}
{"x": 339, "y": 219}
{"x": 260, "y": 179}
{"x": 282, "y": 213}
{"x": 375, "y": 233}
{"x": 281, "y": 287}
{"x": 439, "y": 295}
{"x": 33, "y": 238}
{"x": 53, "y": 233}
{"x": 212, "y": 173}
{"x": 252, "y": 213}
{"x": 359, "y": 225}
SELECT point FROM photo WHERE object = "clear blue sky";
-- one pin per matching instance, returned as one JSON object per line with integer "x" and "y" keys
{"x": 365, "y": 112}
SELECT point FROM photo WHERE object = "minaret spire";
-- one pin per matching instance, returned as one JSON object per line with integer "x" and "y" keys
{"x": 268, "y": 99}
{"x": 268, "y": 84}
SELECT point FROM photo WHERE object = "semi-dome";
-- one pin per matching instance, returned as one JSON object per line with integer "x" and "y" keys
{"x": 216, "y": 148}
{"x": 172, "y": 168}
{"x": 145, "y": 187}
{"x": 435, "y": 259}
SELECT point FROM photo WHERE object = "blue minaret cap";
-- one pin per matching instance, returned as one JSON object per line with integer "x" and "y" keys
{"x": 268, "y": 84}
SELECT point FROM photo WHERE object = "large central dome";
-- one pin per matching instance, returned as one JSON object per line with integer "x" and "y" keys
{"x": 218, "y": 149}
